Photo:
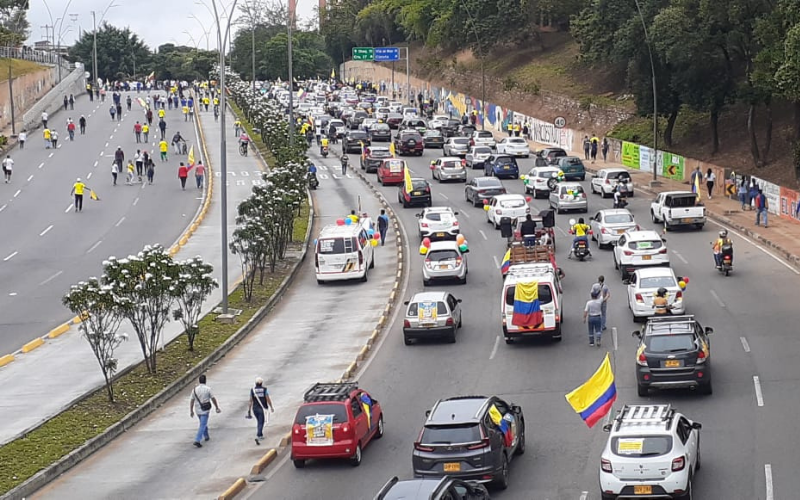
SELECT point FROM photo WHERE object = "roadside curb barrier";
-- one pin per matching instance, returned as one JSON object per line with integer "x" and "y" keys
{"x": 262, "y": 464}
{"x": 234, "y": 490}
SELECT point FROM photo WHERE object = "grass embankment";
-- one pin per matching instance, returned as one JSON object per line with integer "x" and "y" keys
{"x": 640, "y": 129}
{"x": 19, "y": 67}
{"x": 62, "y": 434}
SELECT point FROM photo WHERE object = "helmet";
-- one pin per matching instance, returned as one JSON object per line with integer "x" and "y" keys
{"x": 580, "y": 220}
{"x": 723, "y": 233}
{"x": 661, "y": 292}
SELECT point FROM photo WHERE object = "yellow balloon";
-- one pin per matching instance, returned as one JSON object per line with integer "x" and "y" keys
{"x": 487, "y": 208}
{"x": 373, "y": 242}
{"x": 523, "y": 177}
{"x": 682, "y": 284}
{"x": 422, "y": 249}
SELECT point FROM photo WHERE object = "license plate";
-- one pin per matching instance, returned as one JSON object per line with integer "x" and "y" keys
{"x": 672, "y": 363}
{"x": 643, "y": 490}
{"x": 506, "y": 168}
{"x": 440, "y": 235}
{"x": 444, "y": 267}
{"x": 689, "y": 219}
{"x": 416, "y": 193}
{"x": 452, "y": 467}
{"x": 647, "y": 257}
{"x": 620, "y": 231}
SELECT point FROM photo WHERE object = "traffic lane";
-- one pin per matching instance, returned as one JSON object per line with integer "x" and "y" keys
{"x": 299, "y": 343}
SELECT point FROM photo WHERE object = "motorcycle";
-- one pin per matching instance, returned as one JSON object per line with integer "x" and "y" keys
{"x": 324, "y": 151}
{"x": 727, "y": 260}
{"x": 313, "y": 182}
{"x": 581, "y": 250}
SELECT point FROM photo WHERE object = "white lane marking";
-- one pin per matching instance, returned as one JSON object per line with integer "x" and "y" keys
{"x": 112, "y": 135}
{"x": 12, "y": 294}
{"x": 51, "y": 278}
{"x": 94, "y": 246}
{"x": 46, "y": 230}
{"x": 135, "y": 201}
{"x": 759, "y": 395}
{"x": 119, "y": 222}
{"x": 716, "y": 297}
{"x": 17, "y": 193}
{"x": 88, "y": 176}
{"x": 768, "y": 477}
{"x": 98, "y": 161}
{"x": 29, "y": 178}
{"x": 465, "y": 214}
{"x": 494, "y": 349}
{"x": 745, "y": 345}
{"x": 3, "y": 207}
{"x": 69, "y": 208}
{"x": 443, "y": 196}
{"x": 106, "y": 144}
{"x": 496, "y": 262}
{"x": 615, "y": 337}
{"x": 101, "y": 152}
{"x": 10, "y": 257}
{"x": 561, "y": 230}
{"x": 584, "y": 495}
{"x": 683, "y": 259}
{"x": 785, "y": 264}
{"x": 51, "y": 155}
{"x": 41, "y": 165}
{"x": 483, "y": 234}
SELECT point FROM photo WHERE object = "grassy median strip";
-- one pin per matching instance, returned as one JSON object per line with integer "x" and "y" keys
{"x": 256, "y": 138}
{"x": 67, "y": 431}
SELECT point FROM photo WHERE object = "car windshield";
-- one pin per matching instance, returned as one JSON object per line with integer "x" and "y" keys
{"x": 441, "y": 255}
{"x": 381, "y": 153}
{"x": 413, "y": 309}
{"x": 618, "y": 218}
{"x": 670, "y": 343}
{"x": 358, "y": 134}
{"x": 439, "y": 216}
{"x": 338, "y": 410}
{"x": 460, "y": 141}
{"x": 505, "y": 160}
{"x": 433, "y": 133}
{"x": 419, "y": 184}
{"x": 489, "y": 183}
{"x": 572, "y": 161}
{"x": 451, "y": 164}
{"x": 641, "y": 446}
{"x": 513, "y": 203}
{"x": 482, "y": 151}
{"x": 645, "y": 245}
{"x": 332, "y": 246}
{"x": 410, "y": 137}
{"x": 657, "y": 282}
{"x": 336, "y": 123}
{"x": 380, "y": 126}
{"x": 619, "y": 175}
{"x": 450, "y": 434}
{"x": 517, "y": 141}
{"x": 485, "y": 135}
{"x": 545, "y": 174}
{"x": 576, "y": 189}
{"x": 545, "y": 294}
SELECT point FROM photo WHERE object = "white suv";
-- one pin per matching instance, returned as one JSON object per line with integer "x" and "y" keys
{"x": 652, "y": 452}
{"x": 635, "y": 249}
{"x": 438, "y": 223}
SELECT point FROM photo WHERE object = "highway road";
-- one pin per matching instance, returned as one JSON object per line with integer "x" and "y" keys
{"x": 47, "y": 246}
{"x": 749, "y": 437}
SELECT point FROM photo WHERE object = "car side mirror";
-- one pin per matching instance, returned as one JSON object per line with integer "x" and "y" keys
{"x": 663, "y": 239}
{"x": 697, "y": 425}
{"x": 406, "y": 302}
{"x": 516, "y": 408}
{"x": 427, "y": 413}
{"x": 418, "y": 215}
{"x": 709, "y": 330}
{"x": 455, "y": 213}
{"x": 637, "y": 334}
{"x": 458, "y": 300}
{"x": 607, "y": 428}
{"x": 595, "y": 176}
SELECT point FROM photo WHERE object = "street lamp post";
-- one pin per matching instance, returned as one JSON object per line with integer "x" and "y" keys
{"x": 483, "y": 72}
{"x": 655, "y": 95}
{"x": 94, "y": 42}
{"x": 289, "y": 22}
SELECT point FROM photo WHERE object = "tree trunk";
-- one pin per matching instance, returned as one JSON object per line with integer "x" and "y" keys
{"x": 751, "y": 130}
{"x": 714, "y": 132}
{"x": 670, "y": 127}
{"x": 768, "y": 140}
{"x": 109, "y": 387}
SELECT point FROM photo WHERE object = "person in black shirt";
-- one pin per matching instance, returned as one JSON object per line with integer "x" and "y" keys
{"x": 259, "y": 404}
{"x": 528, "y": 231}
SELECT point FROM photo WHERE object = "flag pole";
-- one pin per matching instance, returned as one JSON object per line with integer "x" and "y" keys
{"x": 615, "y": 344}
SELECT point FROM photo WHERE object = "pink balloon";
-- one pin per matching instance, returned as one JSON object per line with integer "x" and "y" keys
{"x": 377, "y": 236}
{"x": 426, "y": 242}
{"x": 340, "y": 222}
{"x": 528, "y": 199}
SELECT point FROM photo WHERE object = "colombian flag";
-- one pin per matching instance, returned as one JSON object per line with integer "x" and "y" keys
{"x": 594, "y": 399}
{"x": 391, "y": 150}
{"x": 151, "y": 76}
{"x": 696, "y": 187}
{"x": 333, "y": 74}
{"x": 407, "y": 180}
{"x": 141, "y": 102}
{"x": 527, "y": 308}
{"x": 366, "y": 404}
{"x": 503, "y": 424}
{"x": 506, "y": 264}
{"x": 93, "y": 195}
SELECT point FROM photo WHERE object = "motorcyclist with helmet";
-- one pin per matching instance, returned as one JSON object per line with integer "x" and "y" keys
{"x": 660, "y": 302}
{"x": 722, "y": 241}
{"x": 619, "y": 197}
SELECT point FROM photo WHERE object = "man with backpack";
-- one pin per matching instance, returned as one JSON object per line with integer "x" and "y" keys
{"x": 761, "y": 207}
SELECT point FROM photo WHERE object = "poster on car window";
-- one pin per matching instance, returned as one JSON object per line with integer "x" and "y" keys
{"x": 396, "y": 166}
{"x": 427, "y": 313}
{"x": 319, "y": 430}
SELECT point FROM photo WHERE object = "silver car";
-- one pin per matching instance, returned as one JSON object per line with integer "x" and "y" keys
{"x": 608, "y": 225}
{"x": 569, "y": 196}
{"x": 432, "y": 314}
{"x": 456, "y": 146}
{"x": 444, "y": 261}
{"x": 448, "y": 169}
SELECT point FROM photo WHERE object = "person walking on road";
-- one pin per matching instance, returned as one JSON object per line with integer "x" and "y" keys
{"x": 183, "y": 174}
{"x": 138, "y": 159}
{"x": 8, "y": 168}
{"x": 82, "y": 123}
{"x": 605, "y": 294}
{"x": 592, "y": 314}
{"x": 163, "y": 147}
{"x": 200, "y": 404}
{"x": 383, "y": 226}
{"x": 71, "y": 129}
{"x": 710, "y": 180}
{"x": 151, "y": 170}
{"x": 259, "y": 404}
{"x": 594, "y": 147}
{"x": 762, "y": 206}
{"x": 119, "y": 112}
{"x": 587, "y": 146}
{"x": 114, "y": 172}
{"x": 199, "y": 174}
{"x": 129, "y": 179}
{"x": 66, "y": 103}
{"x": 113, "y": 112}
{"x": 44, "y": 119}
{"x": 71, "y": 102}
{"x": 47, "y": 137}
{"x": 54, "y": 139}
{"x": 128, "y": 101}
{"x": 77, "y": 190}
{"x": 145, "y": 132}
{"x": 605, "y": 149}
{"x": 162, "y": 126}
{"x": 22, "y": 137}
{"x": 119, "y": 156}
{"x": 137, "y": 132}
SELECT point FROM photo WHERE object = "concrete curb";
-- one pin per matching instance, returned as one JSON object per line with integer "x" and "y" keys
{"x": 43, "y": 477}
{"x": 234, "y": 490}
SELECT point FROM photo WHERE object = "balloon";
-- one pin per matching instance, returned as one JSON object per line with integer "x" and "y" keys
{"x": 686, "y": 279}
{"x": 340, "y": 222}
{"x": 682, "y": 284}
{"x": 460, "y": 239}
{"x": 487, "y": 208}
{"x": 422, "y": 249}
{"x": 426, "y": 242}
{"x": 572, "y": 222}
{"x": 370, "y": 231}
{"x": 376, "y": 236}
{"x": 485, "y": 202}
{"x": 528, "y": 199}
{"x": 348, "y": 221}
{"x": 373, "y": 242}
{"x": 462, "y": 247}
{"x": 523, "y": 177}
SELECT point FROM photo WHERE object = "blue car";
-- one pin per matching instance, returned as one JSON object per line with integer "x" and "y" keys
{"x": 501, "y": 166}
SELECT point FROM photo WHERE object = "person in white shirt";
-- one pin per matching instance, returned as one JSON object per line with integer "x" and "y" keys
{"x": 200, "y": 403}
{"x": 44, "y": 119}
{"x": 22, "y": 137}
{"x": 8, "y": 167}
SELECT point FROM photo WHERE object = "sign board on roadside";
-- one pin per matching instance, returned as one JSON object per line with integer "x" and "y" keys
{"x": 560, "y": 122}
{"x": 387, "y": 54}
{"x": 363, "y": 53}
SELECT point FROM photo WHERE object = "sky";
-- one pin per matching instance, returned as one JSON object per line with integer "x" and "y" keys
{"x": 155, "y": 21}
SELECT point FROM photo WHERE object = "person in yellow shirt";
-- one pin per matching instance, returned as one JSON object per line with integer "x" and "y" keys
{"x": 185, "y": 113}
{"x": 205, "y": 102}
{"x": 216, "y": 101}
{"x": 146, "y": 130}
{"x": 161, "y": 113}
{"x": 237, "y": 127}
{"x": 47, "y": 138}
{"x": 163, "y": 147}
{"x": 581, "y": 231}
{"x": 77, "y": 190}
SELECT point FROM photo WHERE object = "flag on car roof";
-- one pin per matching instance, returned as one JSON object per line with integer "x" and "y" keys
{"x": 506, "y": 264}
{"x": 407, "y": 179}
{"x": 594, "y": 399}
{"x": 503, "y": 424}
{"x": 527, "y": 308}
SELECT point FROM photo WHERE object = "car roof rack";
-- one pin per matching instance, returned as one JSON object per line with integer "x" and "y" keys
{"x": 666, "y": 325}
{"x": 644, "y": 414}
{"x": 329, "y": 391}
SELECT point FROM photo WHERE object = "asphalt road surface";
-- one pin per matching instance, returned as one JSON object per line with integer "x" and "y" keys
{"x": 46, "y": 246}
{"x": 749, "y": 437}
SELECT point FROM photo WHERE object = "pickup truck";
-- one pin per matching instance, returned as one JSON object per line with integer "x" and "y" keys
{"x": 678, "y": 208}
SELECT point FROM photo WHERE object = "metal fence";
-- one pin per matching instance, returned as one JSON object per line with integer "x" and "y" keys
{"x": 37, "y": 56}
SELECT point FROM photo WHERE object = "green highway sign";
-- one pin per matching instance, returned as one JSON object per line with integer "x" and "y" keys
{"x": 363, "y": 53}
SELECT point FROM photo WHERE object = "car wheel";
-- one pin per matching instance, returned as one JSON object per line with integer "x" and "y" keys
{"x": 583, "y": 177}
{"x": 521, "y": 445}
{"x": 591, "y": 186}
{"x": 707, "y": 389}
{"x": 372, "y": 263}
{"x": 509, "y": 340}
{"x": 688, "y": 495}
{"x": 356, "y": 460}
{"x": 556, "y": 337}
{"x": 463, "y": 280}
{"x": 642, "y": 390}
{"x": 426, "y": 282}
{"x": 653, "y": 217}
{"x": 299, "y": 464}
{"x": 451, "y": 339}
{"x": 379, "y": 432}
{"x": 405, "y": 204}
{"x": 364, "y": 278}
{"x": 502, "y": 480}
{"x": 605, "y": 496}
{"x": 320, "y": 282}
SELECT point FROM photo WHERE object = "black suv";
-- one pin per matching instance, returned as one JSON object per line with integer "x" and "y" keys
{"x": 409, "y": 142}
{"x": 674, "y": 352}
{"x": 353, "y": 139}
{"x": 445, "y": 488}
{"x": 471, "y": 438}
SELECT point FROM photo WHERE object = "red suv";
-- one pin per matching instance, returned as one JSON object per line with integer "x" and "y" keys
{"x": 336, "y": 420}
{"x": 409, "y": 142}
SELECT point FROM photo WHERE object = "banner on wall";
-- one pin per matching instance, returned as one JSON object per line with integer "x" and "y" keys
{"x": 630, "y": 154}
{"x": 773, "y": 194}
{"x": 645, "y": 159}
{"x": 790, "y": 202}
{"x": 672, "y": 165}
{"x": 547, "y": 133}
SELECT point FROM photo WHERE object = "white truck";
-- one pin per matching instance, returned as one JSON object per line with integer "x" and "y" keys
{"x": 678, "y": 208}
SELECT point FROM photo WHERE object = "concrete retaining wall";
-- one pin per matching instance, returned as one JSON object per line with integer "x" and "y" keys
{"x": 71, "y": 83}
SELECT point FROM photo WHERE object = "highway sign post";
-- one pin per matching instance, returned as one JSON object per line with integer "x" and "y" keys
{"x": 387, "y": 54}
{"x": 560, "y": 122}
{"x": 363, "y": 53}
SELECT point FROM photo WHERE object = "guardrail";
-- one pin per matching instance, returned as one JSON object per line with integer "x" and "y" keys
{"x": 37, "y": 56}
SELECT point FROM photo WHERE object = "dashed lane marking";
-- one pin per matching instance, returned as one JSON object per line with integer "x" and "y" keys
{"x": 745, "y": 345}
{"x": 11, "y": 256}
{"x": 483, "y": 234}
{"x": 51, "y": 155}
{"x": 496, "y": 262}
{"x": 41, "y": 165}
{"x": 494, "y": 348}
{"x": 51, "y": 278}
{"x": 120, "y": 221}
{"x": 3, "y": 207}
{"x": 716, "y": 297}
{"x": 135, "y": 201}
{"x": 69, "y": 208}
{"x": 94, "y": 246}
{"x": 96, "y": 162}
{"x": 768, "y": 477}
{"x": 584, "y": 495}
{"x": 46, "y": 230}
{"x": 30, "y": 177}
{"x": 678, "y": 255}
{"x": 444, "y": 196}
{"x": 759, "y": 395}
{"x": 88, "y": 176}
{"x": 17, "y": 193}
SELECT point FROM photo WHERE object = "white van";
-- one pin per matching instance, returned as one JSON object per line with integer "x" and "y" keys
{"x": 343, "y": 253}
{"x": 549, "y": 298}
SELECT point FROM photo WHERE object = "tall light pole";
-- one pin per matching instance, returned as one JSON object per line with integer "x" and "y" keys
{"x": 253, "y": 54}
{"x": 206, "y": 32}
{"x": 289, "y": 22}
{"x": 483, "y": 72}
{"x": 655, "y": 94}
{"x": 94, "y": 35}
{"x": 223, "y": 164}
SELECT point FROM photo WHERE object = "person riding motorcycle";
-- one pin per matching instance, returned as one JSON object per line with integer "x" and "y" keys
{"x": 312, "y": 174}
{"x": 323, "y": 145}
{"x": 723, "y": 240}
{"x": 581, "y": 231}
{"x": 660, "y": 302}
{"x": 619, "y": 197}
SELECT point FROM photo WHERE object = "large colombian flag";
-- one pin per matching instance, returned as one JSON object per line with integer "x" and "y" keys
{"x": 407, "y": 179}
{"x": 593, "y": 400}
{"x": 527, "y": 308}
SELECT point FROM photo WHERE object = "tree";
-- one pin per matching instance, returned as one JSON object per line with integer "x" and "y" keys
{"x": 190, "y": 288}
{"x": 14, "y": 25}
{"x": 102, "y": 312}
{"x": 146, "y": 281}
{"x": 183, "y": 63}
{"x": 118, "y": 52}
{"x": 249, "y": 243}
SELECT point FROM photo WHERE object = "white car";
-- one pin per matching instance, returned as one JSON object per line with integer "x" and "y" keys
{"x": 652, "y": 451}
{"x": 514, "y": 146}
{"x": 483, "y": 138}
{"x": 444, "y": 260}
{"x": 382, "y": 113}
{"x": 438, "y": 121}
{"x": 606, "y": 179}
{"x": 367, "y": 123}
{"x": 536, "y": 181}
{"x": 438, "y": 223}
{"x": 506, "y": 205}
{"x": 339, "y": 126}
{"x": 643, "y": 285}
{"x": 569, "y": 196}
{"x": 395, "y": 106}
{"x": 636, "y": 249}
{"x": 608, "y": 225}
